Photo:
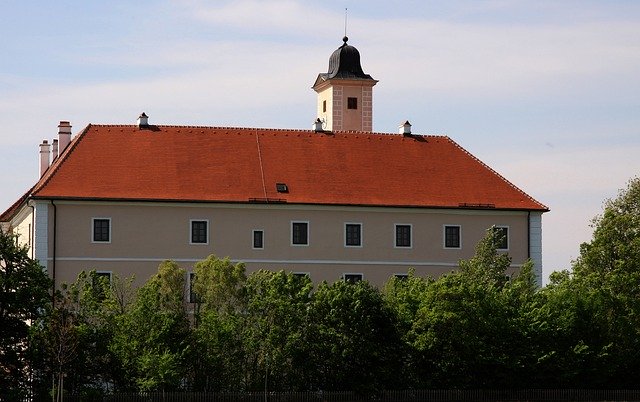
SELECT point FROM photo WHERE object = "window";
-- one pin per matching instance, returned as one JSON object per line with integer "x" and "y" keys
{"x": 503, "y": 237}
{"x": 452, "y": 236}
{"x": 300, "y": 233}
{"x": 401, "y": 277}
{"x": 324, "y": 106}
{"x": 104, "y": 274}
{"x": 352, "y": 278}
{"x": 258, "y": 239}
{"x": 101, "y": 230}
{"x": 403, "y": 235}
{"x": 301, "y": 275}
{"x": 352, "y": 103}
{"x": 199, "y": 232}
{"x": 352, "y": 234}
{"x": 193, "y": 297}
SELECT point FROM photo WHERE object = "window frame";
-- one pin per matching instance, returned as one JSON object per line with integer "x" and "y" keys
{"x": 207, "y": 234}
{"x": 353, "y": 274}
{"x": 352, "y": 103}
{"x": 93, "y": 230}
{"x": 293, "y": 224}
{"x": 506, "y": 238}
{"x": 346, "y": 237}
{"x": 444, "y": 237}
{"x": 395, "y": 235}
{"x": 253, "y": 239}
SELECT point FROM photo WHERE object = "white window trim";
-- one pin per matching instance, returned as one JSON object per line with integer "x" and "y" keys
{"x": 344, "y": 232}
{"x": 344, "y": 275}
{"x": 93, "y": 219}
{"x": 191, "y": 232}
{"x": 444, "y": 237}
{"x": 395, "y": 226}
{"x": 508, "y": 236}
{"x": 253, "y": 236}
{"x": 291, "y": 233}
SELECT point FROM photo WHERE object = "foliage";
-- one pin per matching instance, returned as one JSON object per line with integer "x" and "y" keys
{"x": 152, "y": 339}
{"x": 24, "y": 292}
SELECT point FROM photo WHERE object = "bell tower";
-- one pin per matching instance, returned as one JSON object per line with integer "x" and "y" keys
{"x": 345, "y": 92}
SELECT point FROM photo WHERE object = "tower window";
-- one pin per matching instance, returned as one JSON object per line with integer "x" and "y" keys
{"x": 324, "y": 106}
{"x": 352, "y": 103}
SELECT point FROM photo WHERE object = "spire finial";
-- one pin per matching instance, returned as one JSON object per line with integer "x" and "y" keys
{"x": 345, "y": 39}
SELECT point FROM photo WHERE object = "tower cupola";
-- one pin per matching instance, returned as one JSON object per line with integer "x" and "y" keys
{"x": 345, "y": 92}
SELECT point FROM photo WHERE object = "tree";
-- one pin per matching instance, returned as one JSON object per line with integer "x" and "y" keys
{"x": 466, "y": 331}
{"x": 607, "y": 276}
{"x": 152, "y": 339}
{"x": 24, "y": 292}
{"x": 353, "y": 342}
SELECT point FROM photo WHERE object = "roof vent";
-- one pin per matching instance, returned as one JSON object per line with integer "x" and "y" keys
{"x": 143, "y": 120}
{"x": 405, "y": 129}
{"x": 317, "y": 125}
{"x": 282, "y": 188}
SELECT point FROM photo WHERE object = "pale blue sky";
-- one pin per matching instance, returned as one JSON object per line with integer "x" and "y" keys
{"x": 545, "y": 92}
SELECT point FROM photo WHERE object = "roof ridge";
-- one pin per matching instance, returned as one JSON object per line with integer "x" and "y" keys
{"x": 272, "y": 129}
{"x": 496, "y": 173}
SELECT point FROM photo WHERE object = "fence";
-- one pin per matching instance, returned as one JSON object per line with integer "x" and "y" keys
{"x": 529, "y": 395}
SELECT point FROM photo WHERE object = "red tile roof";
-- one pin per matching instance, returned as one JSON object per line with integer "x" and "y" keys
{"x": 217, "y": 164}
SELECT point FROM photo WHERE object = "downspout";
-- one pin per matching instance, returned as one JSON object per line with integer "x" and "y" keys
{"x": 32, "y": 235}
{"x": 53, "y": 262}
{"x": 528, "y": 235}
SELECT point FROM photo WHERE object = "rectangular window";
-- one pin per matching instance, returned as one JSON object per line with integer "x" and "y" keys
{"x": 101, "y": 230}
{"x": 353, "y": 234}
{"x": 104, "y": 274}
{"x": 352, "y": 278}
{"x": 403, "y": 235}
{"x": 401, "y": 277}
{"x": 324, "y": 106}
{"x": 352, "y": 103}
{"x": 452, "y": 236}
{"x": 503, "y": 237}
{"x": 300, "y": 233}
{"x": 258, "y": 239}
{"x": 199, "y": 232}
{"x": 193, "y": 297}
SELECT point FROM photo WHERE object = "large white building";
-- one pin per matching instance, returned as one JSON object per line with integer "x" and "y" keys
{"x": 336, "y": 201}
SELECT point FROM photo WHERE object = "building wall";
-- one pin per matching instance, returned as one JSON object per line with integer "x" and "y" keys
{"x": 145, "y": 234}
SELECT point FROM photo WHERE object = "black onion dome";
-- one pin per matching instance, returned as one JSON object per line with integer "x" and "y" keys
{"x": 345, "y": 63}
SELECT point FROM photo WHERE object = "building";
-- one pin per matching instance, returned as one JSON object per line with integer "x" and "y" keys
{"x": 336, "y": 201}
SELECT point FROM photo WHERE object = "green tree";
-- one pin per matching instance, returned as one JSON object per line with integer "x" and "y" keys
{"x": 353, "y": 342}
{"x": 274, "y": 330}
{"x": 602, "y": 295}
{"x": 152, "y": 339}
{"x": 24, "y": 293}
{"x": 467, "y": 331}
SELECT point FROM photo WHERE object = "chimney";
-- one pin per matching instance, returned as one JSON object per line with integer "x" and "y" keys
{"x": 44, "y": 157}
{"x": 405, "y": 129}
{"x": 143, "y": 120}
{"x": 54, "y": 150}
{"x": 64, "y": 136}
{"x": 317, "y": 125}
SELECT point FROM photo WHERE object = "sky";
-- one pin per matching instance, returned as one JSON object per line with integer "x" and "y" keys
{"x": 545, "y": 92}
